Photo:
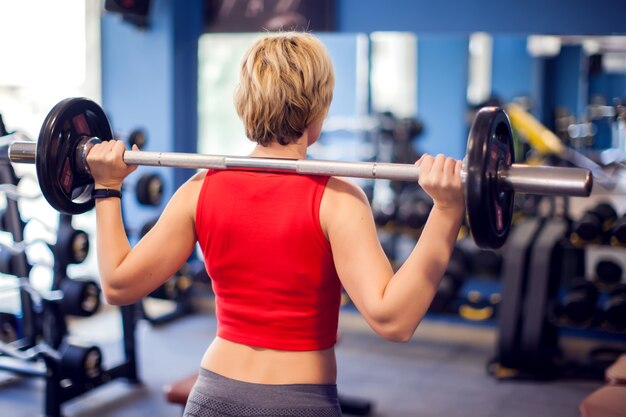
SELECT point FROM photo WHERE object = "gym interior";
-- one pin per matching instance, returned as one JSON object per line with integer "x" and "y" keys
{"x": 530, "y": 315}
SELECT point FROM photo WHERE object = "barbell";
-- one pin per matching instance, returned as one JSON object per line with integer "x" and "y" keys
{"x": 490, "y": 178}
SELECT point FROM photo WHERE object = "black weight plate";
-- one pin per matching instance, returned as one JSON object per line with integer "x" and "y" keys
{"x": 66, "y": 189}
{"x": 489, "y": 150}
{"x": 137, "y": 137}
{"x": 81, "y": 297}
{"x": 8, "y": 327}
{"x": 81, "y": 363}
{"x": 149, "y": 190}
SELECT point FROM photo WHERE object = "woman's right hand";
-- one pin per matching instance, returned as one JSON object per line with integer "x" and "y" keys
{"x": 440, "y": 177}
{"x": 106, "y": 164}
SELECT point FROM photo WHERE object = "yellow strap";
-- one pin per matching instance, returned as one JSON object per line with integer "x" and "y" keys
{"x": 537, "y": 135}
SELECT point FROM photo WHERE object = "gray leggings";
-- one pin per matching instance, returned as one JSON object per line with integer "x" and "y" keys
{"x": 216, "y": 396}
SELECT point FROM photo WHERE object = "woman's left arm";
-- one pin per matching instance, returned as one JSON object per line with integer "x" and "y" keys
{"x": 128, "y": 274}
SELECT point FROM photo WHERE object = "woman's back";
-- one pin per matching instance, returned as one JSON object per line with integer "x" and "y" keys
{"x": 276, "y": 288}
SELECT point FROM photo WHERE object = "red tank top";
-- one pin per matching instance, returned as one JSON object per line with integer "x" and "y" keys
{"x": 270, "y": 264}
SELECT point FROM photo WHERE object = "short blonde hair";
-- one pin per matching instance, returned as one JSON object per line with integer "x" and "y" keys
{"x": 285, "y": 84}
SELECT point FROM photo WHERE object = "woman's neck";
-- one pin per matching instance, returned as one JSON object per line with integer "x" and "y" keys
{"x": 296, "y": 150}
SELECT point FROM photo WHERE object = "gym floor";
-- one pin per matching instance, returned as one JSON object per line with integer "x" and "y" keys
{"x": 441, "y": 372}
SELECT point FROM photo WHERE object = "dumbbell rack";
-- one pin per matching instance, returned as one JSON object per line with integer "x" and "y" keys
{"x": 32, "y": 354}
{"x": 15, "y": 226}
{"x": 539, "y": 260}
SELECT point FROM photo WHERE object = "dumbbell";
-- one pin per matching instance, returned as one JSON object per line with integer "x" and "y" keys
{"x": 137, "y": 137}
{"x": 618, "y": 232}
{"x": 593, "y": 224}
{"x": 149, "y": 190}
{"x": 608, "y": 273}
{"x": 81, "y": 297}
{"x": 614, "y": 310}
{"x": 80, "y": 364}
{"x": 72, "y": 245}
{"x": 579, "y": 304}
{"x": 8, "y": 327}
{"x": 177, "y": 285}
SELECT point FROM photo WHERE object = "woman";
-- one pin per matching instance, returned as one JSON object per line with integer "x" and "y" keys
{"x": 278, "y": 246}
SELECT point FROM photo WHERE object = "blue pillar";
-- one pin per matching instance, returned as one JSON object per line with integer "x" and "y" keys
{"x": 442, "y": 93}
{"x": 564, "y": 83}
{"x": 149, "y": 80}
{"x": 512, "y": 68}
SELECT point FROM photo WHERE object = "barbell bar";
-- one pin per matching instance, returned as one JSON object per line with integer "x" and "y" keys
{"x": 489, "y": 177}
{"x": 517, "y": 177}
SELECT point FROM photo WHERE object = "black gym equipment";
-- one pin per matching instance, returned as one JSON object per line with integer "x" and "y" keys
{"x": 608, "y": 273}
{"x": 72, "y": 245}
{"x": 539, "y": 337}
{"x": 593, "y": 225}
{"x": 17, "y": 263}
{"x": 31, "y": 344}
{"x": 514, "y": 272}
{"x": 137, "y": 138}
{"x": 614, "y": 310}
{"x": 149, "y": 189}
{"x": 490, "y": 177}
{"x": 81, "y": 363}
{"x": 578, "y": 306}
{"x": 69, "y": 370}
{"x": 9, "y": 331}
{"x": 538, "y": 258}
{"x": 178, "y": 290}
{"x": 618, "y": 232}
{"x": 81, "y": 297}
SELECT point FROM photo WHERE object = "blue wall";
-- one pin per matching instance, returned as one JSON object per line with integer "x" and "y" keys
{"x": 495, "y": 16}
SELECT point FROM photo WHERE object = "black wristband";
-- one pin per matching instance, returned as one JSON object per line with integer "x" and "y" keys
{"x": 106, "y": 193}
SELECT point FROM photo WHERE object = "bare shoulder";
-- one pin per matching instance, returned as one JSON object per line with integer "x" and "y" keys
{"x": 193, "y": 184}
{"x": 186, "y": 196}
{"x": 343, "y": 201}
{"x": 198, "y": 177}
{"x": 344, "y": 190}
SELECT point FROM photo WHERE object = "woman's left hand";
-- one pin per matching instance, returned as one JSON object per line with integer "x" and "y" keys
{"x": 107, "y": 166}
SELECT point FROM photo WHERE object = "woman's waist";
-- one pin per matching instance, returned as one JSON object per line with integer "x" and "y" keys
{"x": 270, "y": 366}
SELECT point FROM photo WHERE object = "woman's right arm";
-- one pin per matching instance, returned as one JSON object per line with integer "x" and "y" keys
{"x": 393, "y": 303}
